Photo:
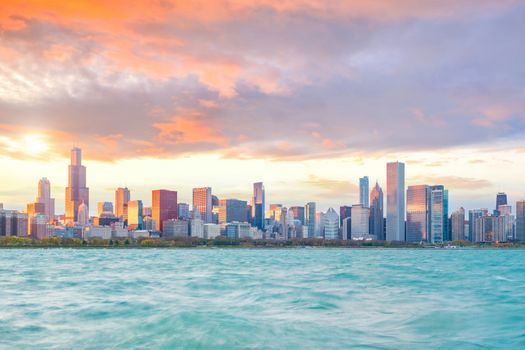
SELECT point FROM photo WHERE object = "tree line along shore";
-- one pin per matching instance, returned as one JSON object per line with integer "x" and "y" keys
{"x": 222, "y": 242}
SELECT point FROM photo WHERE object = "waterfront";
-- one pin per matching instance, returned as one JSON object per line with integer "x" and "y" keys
{"x": 262, "y": 299}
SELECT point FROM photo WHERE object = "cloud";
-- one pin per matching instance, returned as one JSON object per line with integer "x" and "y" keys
{"x": 330, "y": 186}
{"x": 453, "y": 182}
{"x": 279, "y": 80}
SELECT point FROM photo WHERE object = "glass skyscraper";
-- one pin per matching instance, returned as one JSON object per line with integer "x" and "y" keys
{"x": 439, "y": 214}
{"x": 310, "y": 218}
{"x": 520, "y": 221}
{"x": 418, "y": 213}
{"x": 395, "y": 201}
{"x": 258, "y": 205}
{"x": 364, "y": 191}
{"x": 76, "y": 191}
{"x": 377, "y": 222}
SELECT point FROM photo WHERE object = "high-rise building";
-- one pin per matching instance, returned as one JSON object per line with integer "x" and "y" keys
{"x": 122, "y": 197}
{"x": 520, "y": 221}
{"x": 364, "y": 190}
{"x": 104, "y": 208}
{"x": 44, "y": 196}
{"x": 76, "y": 191}
{"x": 135, "y": 218}
{"x": 164, "y": 207}
{"x": 501, "y": 199}
{"x": 472, "y": 216}
{"x": 418, "y": 213}
{"x": 298, "y": 214}
{"x": 202, "y": 202}
{"x": 345, "y": 211}
{"x": 458, "y": 225}
{"x": 258, "y": 205}
{"x": 35, "y": 210}
{"x": 309, "y": 212}
{"x": 395, "y": 201}
{"x": 331, "y": 224}
{"x": 231, "y": 210}
{"x": 184, "y": 211}
{"x": 438, "y": 214}
{"x": 360, "y": 224}
{"x": 83, "y": 214}
{"x": 377, "y": 221}
{"x": 346, "y": 229}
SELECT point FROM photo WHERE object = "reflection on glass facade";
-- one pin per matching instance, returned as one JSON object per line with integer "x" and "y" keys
{"x": 395, "y": 201}
{"x": 418, "y": 213}
{"x": 439, "y": 214}
{"x": 258, "y": 205}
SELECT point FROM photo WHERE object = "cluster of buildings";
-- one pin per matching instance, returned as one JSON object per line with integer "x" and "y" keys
{"x": 419, "y": 213}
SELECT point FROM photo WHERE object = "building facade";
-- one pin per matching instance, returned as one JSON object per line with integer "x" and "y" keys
{"x": 164, "y": 207}
{"x": 364, "y": 192}
{"x": 76, "y": 191}
{"x": 202, "y": 202}
{"x": 395, "y": 201}
{"x": 418, "y": 214}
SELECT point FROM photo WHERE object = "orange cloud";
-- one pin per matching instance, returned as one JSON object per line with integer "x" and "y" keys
{"x": 189, "y": 130}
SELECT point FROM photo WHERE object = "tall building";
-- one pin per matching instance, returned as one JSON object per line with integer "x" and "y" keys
{"x": 309, "y": 218}
{"x": 418, "y": 214}
{"x": 364, "y": 191}
{"x": 331, "y": 224}
{"x": 298, "y": 214}
{"x": 501, "y": 199}
{"x": 183, "y": 211}
{"x": 83, "y": 214}
{"x": 76, "y": 191}
{"x": 258, "y": 205}
{"x": 360, "y": 224}
{"x": 345, "y": 212}
{"x": 438, "y": 214}
{"x": 395, "y": 201}
{"x": 458, "y": 225}
{"x": 44, "y": 196}
{"x": 202, "y": 202}
{"x": 122, "y": 197}
{"x": 104, "y": 208}
{"x": 520, "y": 221}
{"x": 164, "y": 207}
{"x": 135, "y": 218}
{"x": 231, "y": 210}
{"x": 35, "y": 210}
{"x": 472, "y": 216}
{"x": 377, "y": 221}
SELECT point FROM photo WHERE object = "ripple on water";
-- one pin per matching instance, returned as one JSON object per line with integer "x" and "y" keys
{"x": 262, "y": 299}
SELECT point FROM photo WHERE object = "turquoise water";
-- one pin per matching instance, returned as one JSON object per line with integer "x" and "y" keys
{"x": 262, "y": 299}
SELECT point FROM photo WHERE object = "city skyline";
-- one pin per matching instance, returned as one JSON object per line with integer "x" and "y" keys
{"x": 146, "y": 96}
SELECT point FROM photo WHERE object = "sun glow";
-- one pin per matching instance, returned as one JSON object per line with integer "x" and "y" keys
{"x": 33, "y": 145}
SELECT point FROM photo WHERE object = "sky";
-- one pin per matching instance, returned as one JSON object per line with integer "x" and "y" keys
{"x": 304, "y": 95}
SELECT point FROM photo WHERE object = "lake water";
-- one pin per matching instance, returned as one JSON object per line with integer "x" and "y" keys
{"x": 262, "y": 299}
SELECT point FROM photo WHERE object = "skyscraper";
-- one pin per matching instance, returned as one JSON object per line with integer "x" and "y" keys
{"x": 360, "y": 224}
{"x": 520, "y": 221}
{"x": 298, "y": 213}
{"x": 258, "y": 205}
{"x": 364, "y": 191}
{"x": 76, "y": 191}
{"x": 202, "y": 202}
{"x": 231, "y": 210}
{"x": 164, "y": 207}
{"x": 83, "y": 214}
{"x": 135, "y": 218}
{"x": 309, "y": 211}
{"x": 418, "y": 213}
{"x": 458, "y": 225}
{"x": 345, "y": 212}
{"x": 501, "y": 199}
{"x": 44, "y": 196}
{"x": 438, "y": 214}
{"x": 122, "y": 197}
{"x": 395, "y": 201}
{"x": 377, "y": 222}
{"x": 331, "y": 224}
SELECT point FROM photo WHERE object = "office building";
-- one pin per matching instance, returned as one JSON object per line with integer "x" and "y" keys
{"x": 184, "y": 211}
{"x": 438, "y": 214}
{"x": 377, "y": 221}
{"x": 331, "y": 224}
{"x": 238, "y": 230}
{"x": 472, "y": 216}
{"x": 298, "y": 214}
{"x": 360, "y": 223}
{"x": 122, "y": 197}
{"x": 346, "y": 229}
{"x": 418, "y": 214}
{"x": 135, "y": 218}
{"x": 258, "y": 205}
{"x": 212, "y": 231}
{"x": 231, "y": 210}
{"x": 520, "y": 221}
{"x": 164, "y": 207}
{"x": 364, "y": 192}
{"x": 501, "y": 199}
{"x": 44, "y": 196}
{"x": 458, "y": 225}
{"x": 345, "y": 211}
{"x": 173, "y": 228}
{"x": 202, "y": 202}
{"x": 76, "y": 191}
{"x": 395, "y": 202}
{"x": 309, "y": 212}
